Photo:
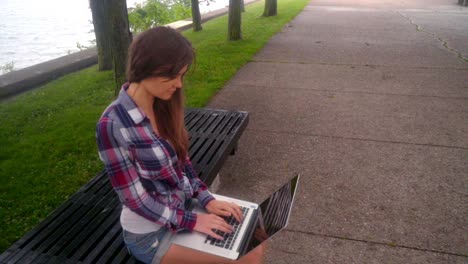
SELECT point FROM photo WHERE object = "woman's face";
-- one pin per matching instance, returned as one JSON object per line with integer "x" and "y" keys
{"x": 163, "y": 87}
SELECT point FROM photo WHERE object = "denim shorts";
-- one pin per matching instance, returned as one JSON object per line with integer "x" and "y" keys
{"x": 148, "y": 247}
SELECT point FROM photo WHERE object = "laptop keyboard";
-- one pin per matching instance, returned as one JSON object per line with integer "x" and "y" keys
{"x": 229, "y": 239}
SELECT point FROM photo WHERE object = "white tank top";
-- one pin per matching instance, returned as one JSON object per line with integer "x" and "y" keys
{"x": 135, "y": 223}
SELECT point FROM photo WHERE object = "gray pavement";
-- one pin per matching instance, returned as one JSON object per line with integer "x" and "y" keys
{"x": 368, "y": 100}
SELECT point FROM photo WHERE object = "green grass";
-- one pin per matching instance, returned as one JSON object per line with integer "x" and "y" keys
{"x": 47, "y": 144}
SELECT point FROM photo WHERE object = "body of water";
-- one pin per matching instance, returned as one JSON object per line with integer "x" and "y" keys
{"x": 33, "y": 31}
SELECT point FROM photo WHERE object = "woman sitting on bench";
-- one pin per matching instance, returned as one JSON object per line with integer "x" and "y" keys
{"x": 143, "y": 143}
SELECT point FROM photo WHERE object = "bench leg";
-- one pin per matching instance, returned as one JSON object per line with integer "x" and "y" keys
{"x": 233, "y": 151}
{"x": 216, "y": 184}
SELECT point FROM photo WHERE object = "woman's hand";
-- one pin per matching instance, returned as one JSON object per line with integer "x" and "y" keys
{"x": 223, "y": 208}
{"x": 206, "y": 223}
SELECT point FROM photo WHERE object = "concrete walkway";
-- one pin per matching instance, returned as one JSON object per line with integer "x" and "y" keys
{"x": 368, "y": 100}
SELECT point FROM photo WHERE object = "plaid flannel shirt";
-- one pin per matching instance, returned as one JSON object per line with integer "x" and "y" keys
{"x": 143, "y": 167}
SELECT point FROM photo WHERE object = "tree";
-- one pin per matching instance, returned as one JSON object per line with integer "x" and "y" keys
{"x": 99, "y": 12}
{"x": 234, "y": 24}
{"x": 242, "y": 6}
{"x": 111, "y": 26}
{"x": 121, "y": 38}
{"x": 270, "y": 8}
{"x": 196, "y": 17}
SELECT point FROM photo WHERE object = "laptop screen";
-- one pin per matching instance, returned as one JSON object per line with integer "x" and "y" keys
{"x": 273, "y": 214}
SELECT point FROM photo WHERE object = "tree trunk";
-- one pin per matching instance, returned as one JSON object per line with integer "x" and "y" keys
{"x": 196, "y": 17}
{"x": 270, "y": 8}
{"x": 234, "y": 25}
{"x": 121, "y": 38}
{"x": 242, "y": 6}
{"x": 102, "y": 31}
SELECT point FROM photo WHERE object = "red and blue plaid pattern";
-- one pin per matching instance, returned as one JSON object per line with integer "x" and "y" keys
{"x": 143, "y": 167}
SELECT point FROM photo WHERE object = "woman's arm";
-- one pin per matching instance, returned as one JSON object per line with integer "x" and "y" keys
{"x": 208, "y": 201}
{"x": 125, "y": 180}
{"x": 200, "y": 189}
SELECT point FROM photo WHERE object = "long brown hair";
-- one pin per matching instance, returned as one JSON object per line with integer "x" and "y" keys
{"x": 163, "y": 52}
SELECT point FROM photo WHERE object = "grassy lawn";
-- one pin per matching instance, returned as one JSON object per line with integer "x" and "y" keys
{"x": 47, "y": 140}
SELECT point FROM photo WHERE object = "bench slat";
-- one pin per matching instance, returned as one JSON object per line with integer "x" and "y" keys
{"x": 61, "y": 231}
{"x": 123, "y": 256}
{"x": 78, "y": 233}
{"x": 29, "y": 256}
{"x": 33, "y": 239}
{"x": 100, "y": 186}
{"x": 96, "y": 237}
{"x": 91, "y": 184}
{"x": 209, "y": 119}
{"x": 109, "y": 255}
{"x": 189, "y": 115}
{"x": 216, "y": 126}
{"x": 114, "y": 233}
{"x": 46, "y": 231}
{"x": 197, "y": 117}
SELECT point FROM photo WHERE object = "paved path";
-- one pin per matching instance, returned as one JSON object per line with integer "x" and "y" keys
{"x": 368, "y": 100}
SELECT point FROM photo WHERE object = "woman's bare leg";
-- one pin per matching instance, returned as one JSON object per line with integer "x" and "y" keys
{"x": 179, "y": 254}
{"x": 254, "y": 256}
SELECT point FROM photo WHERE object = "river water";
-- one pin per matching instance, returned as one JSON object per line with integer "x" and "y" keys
{"x": 35, "y": 31}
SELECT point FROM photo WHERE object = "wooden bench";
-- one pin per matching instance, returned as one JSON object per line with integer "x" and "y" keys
{"x": 86, "y": 227}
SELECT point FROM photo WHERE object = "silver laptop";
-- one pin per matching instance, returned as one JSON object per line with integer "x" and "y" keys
{"x": 261, "y": 222}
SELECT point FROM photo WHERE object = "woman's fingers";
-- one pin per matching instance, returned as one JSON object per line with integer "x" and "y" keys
{"x": 237, "y": 212}
{"x": 214, "y": 235}
{"x": 213, "y": 221}
{"x": 234, "y": 210}
{"x": 228, "y": 209}
{"x": 220, "y": 225}
{"x": 206, "y": 223}
{"x": 224, "y": 228}
{"x": 223, "y": 211}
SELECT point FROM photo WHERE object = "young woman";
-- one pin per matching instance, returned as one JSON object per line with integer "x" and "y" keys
{"x": 143, "y": 143}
